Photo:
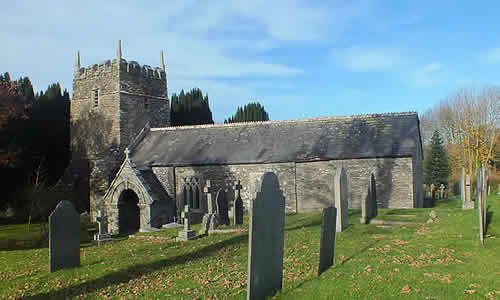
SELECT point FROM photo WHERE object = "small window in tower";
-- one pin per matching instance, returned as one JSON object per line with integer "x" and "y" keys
{"x": 146, "y": 103}
{"x": 96, "y": 97}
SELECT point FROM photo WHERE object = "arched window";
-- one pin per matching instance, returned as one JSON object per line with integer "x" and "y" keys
{"x": 197, "y": 197}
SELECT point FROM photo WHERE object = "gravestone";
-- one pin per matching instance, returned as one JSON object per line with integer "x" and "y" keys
{"x": 468, "y": 193}
{"x": 480, "y": 206}
{"x": 432, "y": 190}
{"x": 222, "y": 209}
{"x": 209, "y": 221}
{"x": 238, "y": 205}
{"x": 187, "y": 233}
{"x": 266, "y": 240}
{"x": 341, "y": 199}
{"x": 441, "y": 191}
{"x": 101, "y": 237}
{"x": 369, "y": 204}
{"x": 327, "y": 244}
{"x": 462, "y": 188}
{"x": 64, "y": 237}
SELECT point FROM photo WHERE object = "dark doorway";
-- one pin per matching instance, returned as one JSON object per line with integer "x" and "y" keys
{"x": 128, "y": 212}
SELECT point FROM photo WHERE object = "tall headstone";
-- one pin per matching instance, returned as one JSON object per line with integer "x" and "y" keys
{"x": 432, "y": 190}
{"x": 209, "y": 221}
{"x": 462, "y": 189}
{"x": 441, "y": 191}
{"x": 369, "y": 204}
{"x": 327, "y": 244}
{"x": 341, "y": 199}
{"x": 480, "y": 211}
{"x": 238, "y": 205}
{"x": 187, "y": 233}
{"x": 222, "y": 209}
{"x": 266, "y": 240}
{"x": 468, "y": 193}
{"x": 64, "y": 237}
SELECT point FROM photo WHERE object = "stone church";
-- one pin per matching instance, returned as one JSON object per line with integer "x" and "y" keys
{"x": 164, "y": 168}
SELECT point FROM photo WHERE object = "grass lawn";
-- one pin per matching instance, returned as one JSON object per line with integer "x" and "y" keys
{"x": 441, "y": 260}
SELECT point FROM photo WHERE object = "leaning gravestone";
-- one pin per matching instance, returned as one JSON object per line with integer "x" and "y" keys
{"x": 369, "y": 204}
{"x": 341, "y": 202}
{"x": 327, "y": 244}
{"x": 64, "y": 237}
{"x": 222, "y": 209}
{"x": 266, "y": 240}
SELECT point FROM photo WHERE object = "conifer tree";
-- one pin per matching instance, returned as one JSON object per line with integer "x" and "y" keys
{"x": 190, "y": 108}
{"x": 436, "y": 164}
{"x": 251, "y": 112}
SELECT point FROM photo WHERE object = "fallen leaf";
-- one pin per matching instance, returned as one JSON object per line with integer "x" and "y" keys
{"x": 406, "y": 290}
{"x": 469, "y": 291}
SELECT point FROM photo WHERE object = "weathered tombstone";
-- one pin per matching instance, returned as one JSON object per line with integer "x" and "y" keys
{"x": 432, "y": 190}
{"x": 209, "y": 220}
{"x": 64, "y": 237}
{"x": 441, "y": 191}
{"x": 222, "y": 211}
{"x": 187, "y": 233}
{"x": 101, "y": 236}
{"x": 341, "y": 199}
{"x": 369, "y": 205}
{"x": 327, "y": 244}
{"x": 266, "y": 240}
{"x": 237, "y": 208}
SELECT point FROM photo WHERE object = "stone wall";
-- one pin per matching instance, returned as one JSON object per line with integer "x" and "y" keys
{"x": 250, "y": 176}
{"x": 314, "y": 188}
{"x": 393, "y": 182}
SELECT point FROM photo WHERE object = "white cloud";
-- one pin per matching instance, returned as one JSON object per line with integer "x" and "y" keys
{"x": 428, "y": 75}
{"x": 365, "y": 59}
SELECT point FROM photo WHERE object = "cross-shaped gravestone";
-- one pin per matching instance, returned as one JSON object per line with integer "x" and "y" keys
{"x": 186, "y": 215}
{"x": 209, "y": 220}
{"x": 101, "y": 237}
{"x": 238, "y": 205}
{"x": 208, "y": 190}
{"x": 432, "y": 190}
{"x": 187, "y": 233}
{"x": 441, "y": 191}
{"x": 100, "y": 219}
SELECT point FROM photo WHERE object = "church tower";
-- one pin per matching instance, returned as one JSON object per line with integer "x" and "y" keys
{"x": 128, "y": 96}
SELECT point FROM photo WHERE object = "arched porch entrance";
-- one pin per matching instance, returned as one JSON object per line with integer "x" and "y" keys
{"x": 128, "y": 212}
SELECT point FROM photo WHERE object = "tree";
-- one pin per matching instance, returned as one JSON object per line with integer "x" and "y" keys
{"x": 251, "y": 112}
{"x": 190, "y": 108}
{"x": 436, "y": 165}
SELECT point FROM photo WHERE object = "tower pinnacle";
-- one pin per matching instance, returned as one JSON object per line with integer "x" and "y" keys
{"x": 162, "y": 61}
{"x": 119, "y": 50}
{"x": 77, "y": 62}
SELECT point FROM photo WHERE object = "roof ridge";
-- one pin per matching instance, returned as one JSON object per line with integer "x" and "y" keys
{"x": 279, "y": 122}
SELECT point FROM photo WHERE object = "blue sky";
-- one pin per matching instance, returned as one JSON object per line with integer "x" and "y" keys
{"x": 300, "y": 59}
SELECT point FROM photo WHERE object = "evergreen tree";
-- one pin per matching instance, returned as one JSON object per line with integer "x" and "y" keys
{"x": 436, "y": 164}
{"x": 251, "y": 112}
{"x": 190, "y": 108}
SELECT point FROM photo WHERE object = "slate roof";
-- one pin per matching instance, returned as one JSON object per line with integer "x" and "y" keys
{"x": 363, "y": 136}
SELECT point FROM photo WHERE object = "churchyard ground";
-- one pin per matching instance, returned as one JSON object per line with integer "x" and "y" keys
{"x": 440, "y": 260}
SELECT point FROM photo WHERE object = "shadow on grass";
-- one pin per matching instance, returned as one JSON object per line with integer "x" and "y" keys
{"x": 489, "y": 218}
{"x": 314, "y": 223}
{"x": 137, "y": 271}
